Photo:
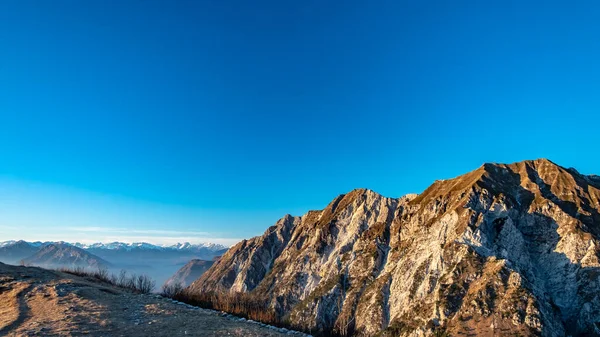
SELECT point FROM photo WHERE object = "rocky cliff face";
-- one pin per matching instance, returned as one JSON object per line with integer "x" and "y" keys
{"x": 504, "y": 249}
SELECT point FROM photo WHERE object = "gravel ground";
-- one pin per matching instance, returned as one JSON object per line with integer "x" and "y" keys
{"x": 39, "y": 302}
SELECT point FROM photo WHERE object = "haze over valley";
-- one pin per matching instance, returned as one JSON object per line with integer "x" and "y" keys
{"x": 157, "y": 262}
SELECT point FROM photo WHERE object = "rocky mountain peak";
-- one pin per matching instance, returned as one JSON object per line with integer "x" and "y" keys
{"x": 506, "y": 247}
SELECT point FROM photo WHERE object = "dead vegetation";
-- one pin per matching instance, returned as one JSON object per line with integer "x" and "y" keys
{"x": 41, "y": 302}
{"x": 141, "y": 284}
{"x": 239, "y": 304}
{"x": 247, "y": 305}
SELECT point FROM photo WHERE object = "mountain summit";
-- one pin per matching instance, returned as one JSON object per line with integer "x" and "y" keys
{"x": 503, "y": 249}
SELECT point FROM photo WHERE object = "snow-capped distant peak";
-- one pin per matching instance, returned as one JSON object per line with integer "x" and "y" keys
{"x": 118, "y": 245}
{"x": 145, "y": 245}
{"x": 188, "y": 246}
{"x": 20, "y": 242}
{"x": 180, "y": 245}
{"x": 125, "y": 246}
{"x": 7, "y": 243}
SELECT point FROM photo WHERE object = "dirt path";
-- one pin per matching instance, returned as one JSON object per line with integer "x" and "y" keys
{"x": 38, "y": 302}
{"x": 16, "y": 311}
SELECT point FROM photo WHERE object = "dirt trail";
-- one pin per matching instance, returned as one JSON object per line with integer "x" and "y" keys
{"x": 39, "y": 302}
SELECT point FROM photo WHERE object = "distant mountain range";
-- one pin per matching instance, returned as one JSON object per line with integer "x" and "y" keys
{"x": 158, "y": 262}
{"x": 56, "y": 255}
{"x": 13, "y": 252}
{"x": 144, "y": 245}
{"x": 121, "y": 245}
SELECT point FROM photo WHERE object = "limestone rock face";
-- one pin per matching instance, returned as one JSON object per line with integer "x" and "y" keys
{"x": 504, "y": 249}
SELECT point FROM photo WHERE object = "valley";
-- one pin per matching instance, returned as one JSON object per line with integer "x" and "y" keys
{"x": 157, "y": 262}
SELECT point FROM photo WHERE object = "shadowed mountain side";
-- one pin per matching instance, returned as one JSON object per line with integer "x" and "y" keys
{"x": 17, "y": 251}
{"x": 57, "y": 255}
{"x": 189, "y": 273}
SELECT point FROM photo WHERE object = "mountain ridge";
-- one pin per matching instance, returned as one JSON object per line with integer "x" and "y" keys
{"x": 506, "y": 247}
{"x": 54, "y": 255}
{"x": 121, "y": 245}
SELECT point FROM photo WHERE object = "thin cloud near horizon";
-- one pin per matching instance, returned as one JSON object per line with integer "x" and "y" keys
{"x": 89, "y": 235}
{"x": 136, "y": 231}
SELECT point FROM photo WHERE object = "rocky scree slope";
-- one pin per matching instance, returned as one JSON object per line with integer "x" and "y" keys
{"x": 504, "y": 249}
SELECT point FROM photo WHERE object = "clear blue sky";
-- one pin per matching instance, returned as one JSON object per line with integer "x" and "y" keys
{"x": 209, "y": 120}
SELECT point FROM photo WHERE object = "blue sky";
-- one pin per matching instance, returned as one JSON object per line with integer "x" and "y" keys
{"x": 193, "y": 121}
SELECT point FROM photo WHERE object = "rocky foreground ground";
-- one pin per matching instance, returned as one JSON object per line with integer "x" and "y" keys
{"x": 39, "y": 302}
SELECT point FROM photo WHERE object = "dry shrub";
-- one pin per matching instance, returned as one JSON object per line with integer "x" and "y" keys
{"x": 172, "y": 290}
{"x": 239, "y": 304}
{"x": 247, "y": 305}
{"x": 142, "y": 284}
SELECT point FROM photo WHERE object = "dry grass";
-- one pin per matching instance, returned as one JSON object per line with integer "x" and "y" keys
{"x": 171, "y": 290}
{"x": 141, "y": 284}
{"x": 40, "y": 302}
{"x": 239, "y": 304}
{"x": 246, "y": 305}
{"x": 9, "y": 310}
